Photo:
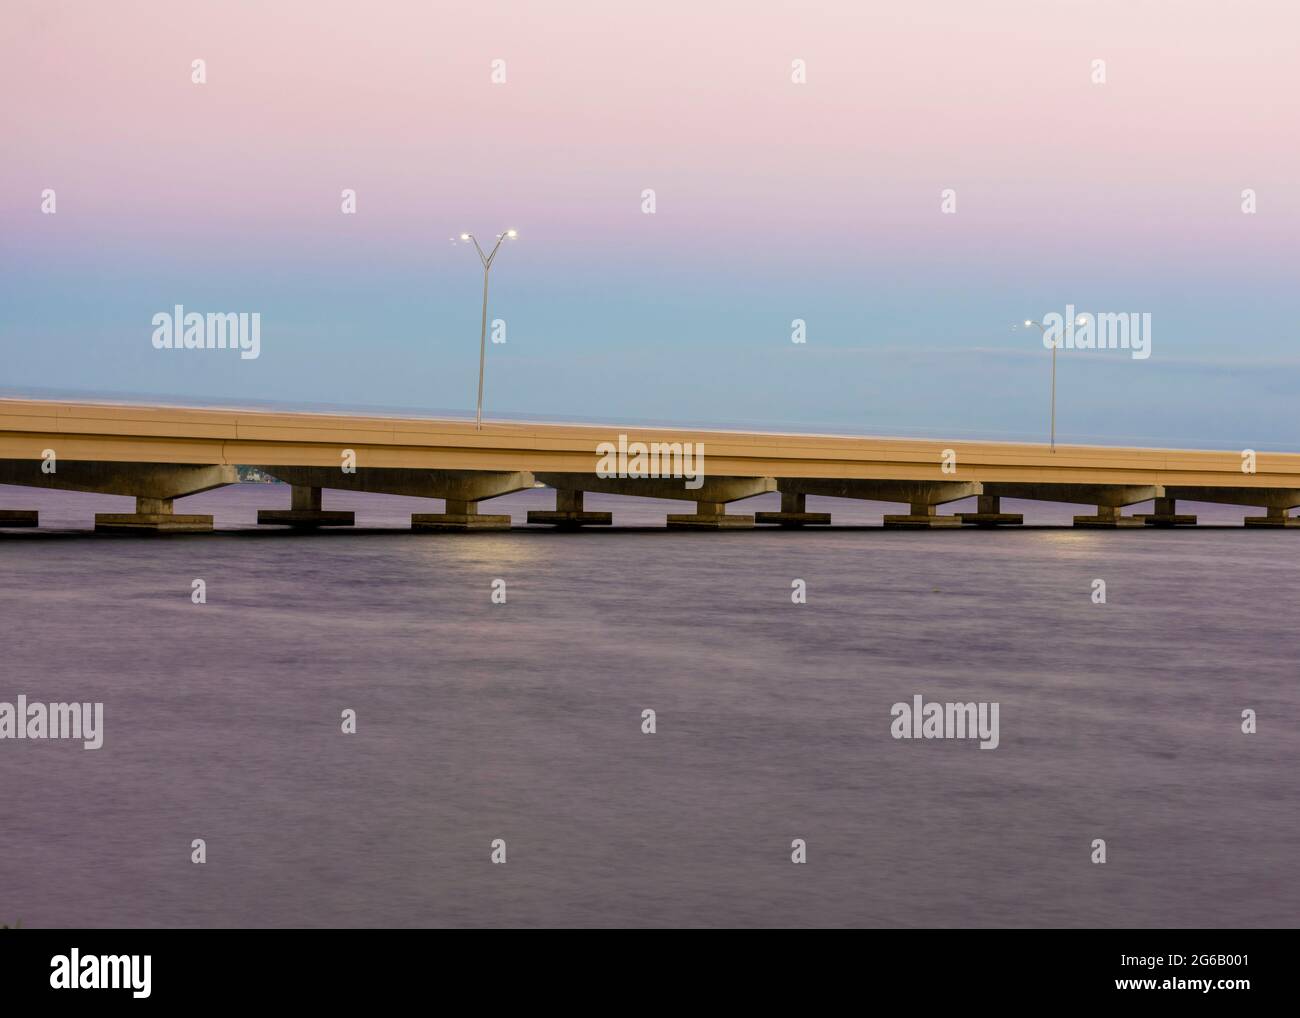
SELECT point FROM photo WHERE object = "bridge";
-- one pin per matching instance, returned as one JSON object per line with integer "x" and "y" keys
{"x": 160, "y": 453}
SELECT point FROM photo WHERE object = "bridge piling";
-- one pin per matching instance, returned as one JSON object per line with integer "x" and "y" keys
{"x": 710, "y": 516}
{"x": 794, "y": 512}
{"x": 1277, "y": 517}
{"x": 305, "y": 511}
{"x": 1108, "y": 516}
{"x": 989, "y": 513}
{"x": 923, "y": 516}
{"x": 1166, "y": 515}
{"x": 461, "y": 515}
{"x": 153, "y": 516}
{"x": 568, "y": 513}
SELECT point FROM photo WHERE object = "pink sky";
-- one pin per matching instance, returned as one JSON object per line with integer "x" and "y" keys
{"x": 691, "y": 99}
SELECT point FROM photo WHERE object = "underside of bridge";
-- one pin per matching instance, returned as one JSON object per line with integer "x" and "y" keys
{"x": 155, "y": 486}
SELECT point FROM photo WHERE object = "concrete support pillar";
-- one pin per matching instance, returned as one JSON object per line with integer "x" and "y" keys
{"x": 19, "y": 518}
{"x": 152, "y": 516}
{"x": 304, "y": 498}
{"x": 794, "y": 512}
{"x": 1108, "y": 516}
{"x": 569, "y": 513}
{"x": 462, "y": 515}
{"x": 710, "y": 516}
{"x": 568, "y": 501}
{"x": 305, "y": 512}
{"x": 1277, "y": 517}
{"x": 988, "y": 513}
{"x": 923, "y": 516}
{"x": 1166, "y": 515}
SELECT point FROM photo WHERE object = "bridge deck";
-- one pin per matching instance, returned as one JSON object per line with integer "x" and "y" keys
{"x": 112, "y": 433}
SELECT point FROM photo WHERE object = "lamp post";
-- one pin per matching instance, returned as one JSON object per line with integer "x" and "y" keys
{"x": 1043, "y": 329}
{"x": 486, "y": 259}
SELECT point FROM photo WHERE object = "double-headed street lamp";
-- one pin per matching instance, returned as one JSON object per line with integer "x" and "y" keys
{"x": 486, "y": 259}
{"x": 1055, "y": 343}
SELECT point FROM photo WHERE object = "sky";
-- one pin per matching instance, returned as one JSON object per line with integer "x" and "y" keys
{"x": 774, "y": 200}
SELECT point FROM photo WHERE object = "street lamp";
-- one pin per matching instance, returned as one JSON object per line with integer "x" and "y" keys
{"x": 486, "y": 259}
{"x": 1055, "y": 343}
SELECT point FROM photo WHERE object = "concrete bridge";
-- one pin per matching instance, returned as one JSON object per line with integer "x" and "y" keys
{"x": 158, "y": 454}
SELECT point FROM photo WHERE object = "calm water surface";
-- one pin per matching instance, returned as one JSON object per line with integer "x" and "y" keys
{"x": 522, "y": 721}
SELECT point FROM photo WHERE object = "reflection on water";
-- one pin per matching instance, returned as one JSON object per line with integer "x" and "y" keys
{"x": 523, "y": 721}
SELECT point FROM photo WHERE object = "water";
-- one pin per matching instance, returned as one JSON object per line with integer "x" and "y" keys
{"x": 522, "y": 721}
